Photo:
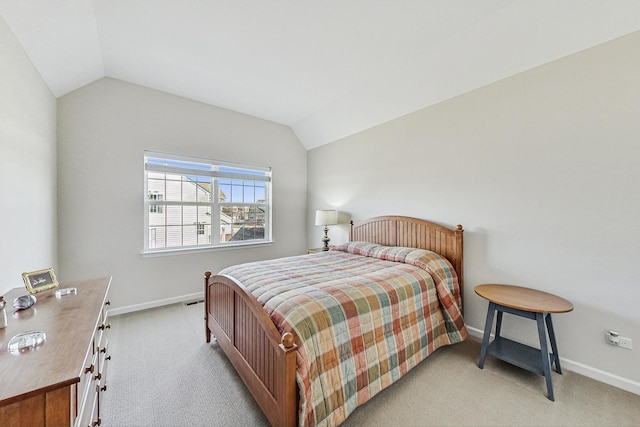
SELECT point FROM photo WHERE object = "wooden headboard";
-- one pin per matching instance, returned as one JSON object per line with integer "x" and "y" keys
{"x": 413, "y": 233}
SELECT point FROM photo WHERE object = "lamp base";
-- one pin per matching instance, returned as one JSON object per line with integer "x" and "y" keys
{"x": 326, "y": 239}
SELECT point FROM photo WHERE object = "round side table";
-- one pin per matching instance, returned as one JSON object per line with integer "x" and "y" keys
{"x": 531, "y": 304}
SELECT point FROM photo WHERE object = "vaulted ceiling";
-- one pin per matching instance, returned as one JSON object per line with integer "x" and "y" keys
{"x": 327, "y": 68}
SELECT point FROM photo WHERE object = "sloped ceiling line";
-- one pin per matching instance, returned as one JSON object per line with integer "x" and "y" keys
{"x": 328, "y": 69}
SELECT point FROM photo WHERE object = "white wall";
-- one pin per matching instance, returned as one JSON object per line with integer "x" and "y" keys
{"x": 543, "y": 171}
{"x": 27, "y": 166}
{"x": 103, "y": 130}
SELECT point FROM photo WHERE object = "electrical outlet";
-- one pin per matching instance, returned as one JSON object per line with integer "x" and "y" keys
{"x": 614, "y": 338}
{"x": 625, "y": 343}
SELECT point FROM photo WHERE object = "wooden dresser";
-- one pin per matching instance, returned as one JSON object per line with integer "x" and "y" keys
{"x": 60, "y": 382}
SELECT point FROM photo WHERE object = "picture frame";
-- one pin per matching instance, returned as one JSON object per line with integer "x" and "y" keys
{"x": 39, "y": 281}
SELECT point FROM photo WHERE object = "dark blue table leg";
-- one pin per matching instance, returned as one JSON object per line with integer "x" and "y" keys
{"x": 554, "y": 347}
{"x": 498, "y": 322}
{"x": 487, "y": 332}
{"x": 544, "y": 352}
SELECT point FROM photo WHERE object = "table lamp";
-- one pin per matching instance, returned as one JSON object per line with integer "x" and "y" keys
{"x": 326, "y": 217}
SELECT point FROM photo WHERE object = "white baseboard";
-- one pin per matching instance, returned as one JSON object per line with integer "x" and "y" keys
{"x": 582, "y": 369}
{"x": 157, "y": 303}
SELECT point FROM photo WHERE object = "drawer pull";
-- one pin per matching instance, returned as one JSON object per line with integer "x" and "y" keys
{"x": 108, "y": 357}
{"x": 89, "y": 369}
{"x": 103, "y": 388}
{"x": 97, "y": 377}
{"x": 108, "y": 302}
{"x": 97, "y": 422}
{"x": 103, "y": 326}
{"x": 103, "y": 350}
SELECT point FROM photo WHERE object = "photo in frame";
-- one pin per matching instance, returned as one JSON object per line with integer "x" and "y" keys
{"x": 41, "y": 280}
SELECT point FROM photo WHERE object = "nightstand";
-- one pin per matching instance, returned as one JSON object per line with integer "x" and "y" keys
{"x": 314, "y": 250}
{"x": 531, "y": 304}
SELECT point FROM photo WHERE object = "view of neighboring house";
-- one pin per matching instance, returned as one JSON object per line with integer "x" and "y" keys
{"x": 185, "y": 224}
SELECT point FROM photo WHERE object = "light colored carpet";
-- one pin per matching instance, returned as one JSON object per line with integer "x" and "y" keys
{"x": 162, "y": 373}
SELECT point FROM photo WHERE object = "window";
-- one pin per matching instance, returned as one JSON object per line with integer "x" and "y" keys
{"x": 181, "y": 211}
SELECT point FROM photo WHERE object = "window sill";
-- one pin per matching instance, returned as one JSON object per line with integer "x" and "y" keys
{"x": 185, "y": 251}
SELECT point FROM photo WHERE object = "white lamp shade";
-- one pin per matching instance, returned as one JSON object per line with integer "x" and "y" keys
{"x": 326, "y": 217}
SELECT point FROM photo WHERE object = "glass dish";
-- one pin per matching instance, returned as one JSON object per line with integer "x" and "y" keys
{"x": 26, "y": 341}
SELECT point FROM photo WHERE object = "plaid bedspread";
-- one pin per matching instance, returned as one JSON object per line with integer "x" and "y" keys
{"x": 363, "y": 315}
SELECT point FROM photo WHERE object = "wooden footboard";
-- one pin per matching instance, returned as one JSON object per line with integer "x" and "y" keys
{"x": 265, "y": 361}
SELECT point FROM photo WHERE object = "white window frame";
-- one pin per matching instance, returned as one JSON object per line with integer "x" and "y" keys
{"x": 155, "y": 162}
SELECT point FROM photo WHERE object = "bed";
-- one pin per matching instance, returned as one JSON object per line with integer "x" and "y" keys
{"x": 256, "y": 312}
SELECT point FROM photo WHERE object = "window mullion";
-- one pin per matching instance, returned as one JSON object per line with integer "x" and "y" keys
{"x": 216, "y": 224}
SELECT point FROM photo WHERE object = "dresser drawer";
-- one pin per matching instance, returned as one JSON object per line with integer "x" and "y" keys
{"x": 87, "y": 390}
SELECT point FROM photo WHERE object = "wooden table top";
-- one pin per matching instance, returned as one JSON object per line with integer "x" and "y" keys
{"x": 526, "y": 299}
